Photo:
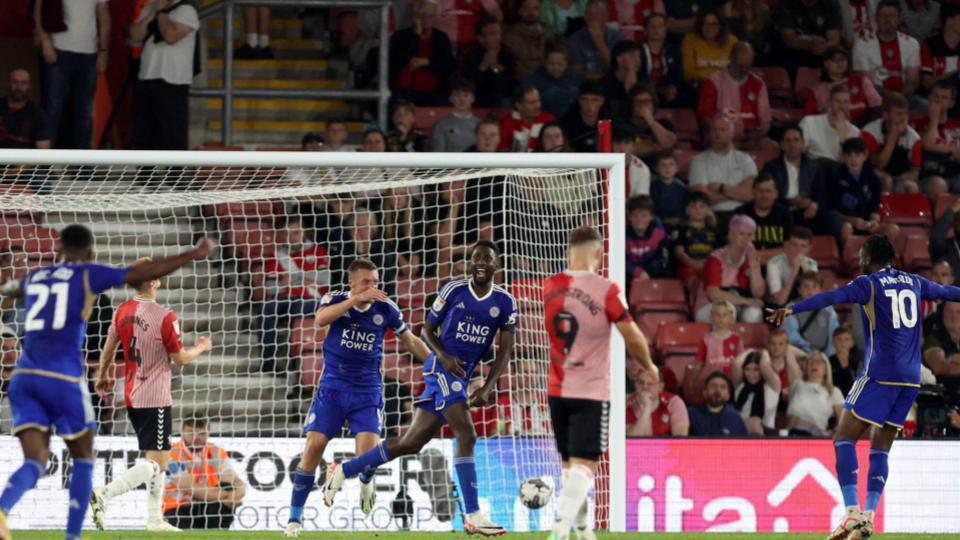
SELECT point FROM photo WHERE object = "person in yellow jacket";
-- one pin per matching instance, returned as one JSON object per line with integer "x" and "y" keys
{"x": 707, "y": 48}
{"x": 205, "y": 490}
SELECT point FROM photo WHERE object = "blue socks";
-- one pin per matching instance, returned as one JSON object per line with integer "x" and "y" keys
{"x": 847, "y": 470}
{"x": 81, "y": 487}
{"x": 303, "y": 483}
{"x": 368, "y": 462}
{"x": 467, "y": 477}
{"x": 19, "y": 483}
{"x": 879, "y": 470}
{"x": 366, "y": 477}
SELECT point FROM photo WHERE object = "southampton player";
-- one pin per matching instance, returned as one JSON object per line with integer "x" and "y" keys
{"x": 150, "y": 335}
{"x": 460, "y": 329}
{"x": 48, "y": 389}
{"x": 579, "y": 307}
{"x": 890, "y": 378}
{"x": 351, "y": 386}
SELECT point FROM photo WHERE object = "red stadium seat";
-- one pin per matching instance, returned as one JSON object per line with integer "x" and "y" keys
{"x": 679, "y": 365}
{"x": 279, "y": 149}
{"x": 680, "y": 339}
{"x": 40, "y": 243}
{"x": 791, "y": 116}
{"x": 761, "y": 158}
{"x": 944, "y": 202}
{"x": 916, "y": 253}
{"x": 658, "y": 295}
{"x": 527, "y": 290}
{"x": 851, "y": 253}
{"x": 843, "y": 310}
{"x": 414, "y": 319}
{"x": 215, "y": 148}
{"x": 250, "y": 241}
{"x": 687, "y": 124}
{"x": 684, "y": 159}
{"x": 918, "y": 121}
{"x": 778, "y": 86}
{"x": 654, "y": 319}
{"x": 413, "y": 292}
{"x": 311, "y": 367}
{"x": 248, "y": 210}
{"x": 807, "y": 78}
{"x": 824, "y": 250}
{"x": 906, "y": 209}
{"x": 305, "y": 335}
{"x": 754, "y": 335}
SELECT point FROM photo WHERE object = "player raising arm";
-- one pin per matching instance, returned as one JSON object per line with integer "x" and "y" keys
{"x": 890, "y": 378}
{"x": 460, "y": 330}
{"x": 351, "y": 387}
{"x": 579, "y": 307}
{"x": 48, "y": 389}
{"x": 150, "y": 335}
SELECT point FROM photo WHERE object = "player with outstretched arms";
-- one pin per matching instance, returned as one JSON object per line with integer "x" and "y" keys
{"x": 579, "y": 307}
{"x": 49, "y": 388}
{"x": 890, "y": 378}
{"x": 150, "y": 335}
{"x": 460, "y": 329}
{"x": 351, "y": 385}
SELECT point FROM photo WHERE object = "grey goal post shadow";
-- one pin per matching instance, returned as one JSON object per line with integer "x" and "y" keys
{"x": 494, "y": 164}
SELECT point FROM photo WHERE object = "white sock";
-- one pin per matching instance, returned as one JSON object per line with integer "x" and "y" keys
{"x": 583, "y": 521}
{"x": 252, "y": 40}
{"x": 155, "y": 489}
{"x": 132, "y": 478}
{"x": 264, "y": 40}
{"x": 573, "y": 494}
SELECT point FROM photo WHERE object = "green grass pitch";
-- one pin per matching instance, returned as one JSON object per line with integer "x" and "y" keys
{"x": 366, "y": 535}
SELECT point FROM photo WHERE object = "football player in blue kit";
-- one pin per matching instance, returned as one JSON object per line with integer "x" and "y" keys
{"x": 460, "y": 329}
{"x": 351, "y": 386}
{"x": 48, "y": 390}
{"x": 889, "y": 381}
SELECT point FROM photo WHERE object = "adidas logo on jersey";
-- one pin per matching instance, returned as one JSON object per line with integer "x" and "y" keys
{"x": 460, "y": 306}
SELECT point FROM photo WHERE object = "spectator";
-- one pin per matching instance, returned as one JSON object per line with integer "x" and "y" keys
{"x": 921, "y": 18}
{"x": 808, "y": 29}
{"x": 525, "y": 409}
{"x": 421, "y": 58}
{"x": 527, "y": 38}
{"x": 750, "y": 22}
{"x": 773, "y": 219}
{"x": 71, "y": 61}
{"x": 859, "y": 19}
{"x": 312, "y": 142}
{"x": 404, "y": 227}
{"x": 489, "y": 64}
{"x": 890, "y": 58}
{"x": 648, "y": 245}
{"x": 661, "y": 63}
{"x": 256, "y": 25}
{"x": 454, "y": 133}
{"x": 733, "y": 274}
{"x": 941, "y": 142}
{"x": 778, "y": 345}
{"x": 941, "y": 352}
{"x": 695, "y": 240}
{"x": 931, "y": 311}
{"x": 824, "y": 134}
{"x": 682, "y": 15}
{"x": 296, "y": 278}
{"x": 405, "y": 137}
{"x": 161, "y": 101}
{"x": 638, "y": 174}
{"x": 590, "y": 46}
{"x": 374, "y": 140}
{"x": 487, "y": 137}
{"x": 669, "y": 194}
{"x": 894, "y": 146}
{"x": 846, "y": 360}
{"x": 814, "y": 400}
{"x": 335, "y": 137}
{"x": 724, "y": 173}
{"x": 654, "y": 412}
{"x": 557, "y": 83}
{"x": 630, "y": 17}
{"x": 204, "y": 489}
{"x": 723, "y": 93}
{"x": 758, "y": 391}
{"x": 707, "y": 48}
{"x": 864, "y": 97}
{"x": 519, "y": 131}
{"x": 557, "y": 14}
{"x": 941, "y": 247}
{"x": 716, "y": 417}
{"x": 855, "y": 192}
{"x": 783, "y": 271}
{"x": 14, "y": 266}
{"x": 580, "y": 124}
{"x": 458, "y": 19}
{"x": 552, "y": 139}
{"x": 651, "y": 134}
{"x": 812, "y": 330}
{"x": 717, "y": 349}
{"x": 621, "y": 77}
{"x": 22, "y": 123}
{"x": 939, "y": 55}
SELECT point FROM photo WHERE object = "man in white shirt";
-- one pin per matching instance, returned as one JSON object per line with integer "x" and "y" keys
{"x": 782, "y": 270}
{"x": 824, "y": 133}
{"x": 71, "y": 61}
{"x": 724, "y": 173}
{"x": 891, "y": 59}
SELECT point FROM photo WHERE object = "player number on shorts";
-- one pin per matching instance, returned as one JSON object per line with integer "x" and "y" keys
{"x": 898, "y": 307}
{"x": 62, "y": 293}
{"x": 565, "y": 326}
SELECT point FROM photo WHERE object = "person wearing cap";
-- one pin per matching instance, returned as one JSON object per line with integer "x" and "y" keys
{"x": 580, "y": 123}
{"x": 557, "y": 83}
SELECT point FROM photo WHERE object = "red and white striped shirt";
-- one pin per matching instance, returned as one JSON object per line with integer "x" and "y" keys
{"x": 518, "y": 135}
{"x": 149, "y": 334}
{"x": 746, "y": 103}
{"x": 631, "y": 15}
{"x": 579, "y": 309}
{"x": 717, "y": 353}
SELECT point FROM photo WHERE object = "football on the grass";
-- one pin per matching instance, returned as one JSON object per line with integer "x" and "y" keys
{"x": 534, "y": 493}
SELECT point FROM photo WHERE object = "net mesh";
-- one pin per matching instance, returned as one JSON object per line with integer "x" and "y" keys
{"x": 261, "y": 288}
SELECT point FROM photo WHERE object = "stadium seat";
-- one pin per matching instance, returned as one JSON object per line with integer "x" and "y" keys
{"x": 248, "y": 211}
{"x": 216, "y": 148}
{"x": 918, "y": 121}
{"x": 527, "y": 290}
{"x": 413, "y": 292}
{"x": 851, "y": 254}
{"x": 944, "y": 202}
{"x": 684, "y": 158}
{"x": 687, "y": 124}
{"x": 311, "y": 367}
{"x": 843, "y": 310}
{"x": 761, "y": 158}
{"x": 778, "y": 86}
{"x": 679, "y": 365}
{"x": 824, "y": 250}
{"x": 807, "y": 78}
{"x": 916, "y": 253}
{"x": 680, "y": 339}
{"x": 279, "y": 149}
{"x": 658, "y": 295}
{"x": 40, "y": 243}
{"x": 305, "y": 335}
{"x": 11, "y": 216}
{"x": 249, "y": 242}
{"x": 789, "y": 116}
{"x": 754, "y": 335}
{"x": 909, "y": 210}
{"x": 414, "y": 318}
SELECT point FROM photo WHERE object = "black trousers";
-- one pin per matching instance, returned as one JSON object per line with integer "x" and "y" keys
{"x": 201, "y": 515}
{"x": 161, "y": 113}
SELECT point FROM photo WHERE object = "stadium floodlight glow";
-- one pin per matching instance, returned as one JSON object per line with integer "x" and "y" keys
{"x": 142, "y": 203}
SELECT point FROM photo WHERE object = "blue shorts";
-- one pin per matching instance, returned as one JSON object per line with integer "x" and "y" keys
{"x": 41, "y": 402}
{"x": 879, "y": 404}
{"x": 443, "y": 390}
{"x": 331, "y": 408}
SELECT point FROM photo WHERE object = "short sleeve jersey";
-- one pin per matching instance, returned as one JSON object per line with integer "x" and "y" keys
{"x": 353, "y": 346}
{"x": 908, "y": 153}
{"x": 717, "y": 353}
{"x": 59, "y": 302}
{"x": 149, "y": 333}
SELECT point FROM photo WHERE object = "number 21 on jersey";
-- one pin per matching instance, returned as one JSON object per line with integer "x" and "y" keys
{"x": 61, "y": 293}
{"x": 898, "y": 308}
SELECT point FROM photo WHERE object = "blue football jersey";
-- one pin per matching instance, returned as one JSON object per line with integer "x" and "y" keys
{"x": 353, "y": 346}
{"x": 59, "y": 301}
{"x": 468, "y": 323}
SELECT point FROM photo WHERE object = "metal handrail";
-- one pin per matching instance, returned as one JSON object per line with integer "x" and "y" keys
{"x": 228, "y": 92}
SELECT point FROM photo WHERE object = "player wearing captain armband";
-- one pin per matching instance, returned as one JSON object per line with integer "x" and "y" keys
{"x": 460, "y": 329}
{"x": 49, "y": 390}
{"x": 889, "y": 381}
{"x": 579, "y": 307}
{"x": 150, "y": 336}
{"x": 351, "y": 386}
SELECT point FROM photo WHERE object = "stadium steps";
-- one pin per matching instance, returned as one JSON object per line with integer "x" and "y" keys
{"x": 220, "y": 365}
{"x": 286, "y": 28}
{"x": 283, "y": 48}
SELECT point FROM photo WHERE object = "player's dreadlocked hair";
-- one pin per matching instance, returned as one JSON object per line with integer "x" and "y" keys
{"x": 880, "y": 250}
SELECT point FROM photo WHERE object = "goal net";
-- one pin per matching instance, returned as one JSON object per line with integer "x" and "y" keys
{"x": 287, "y": 226}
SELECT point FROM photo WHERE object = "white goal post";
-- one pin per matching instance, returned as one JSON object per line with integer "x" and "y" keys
{"x": 118, "y": 183}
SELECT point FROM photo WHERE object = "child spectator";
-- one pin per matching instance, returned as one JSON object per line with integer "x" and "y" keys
{"x": 638, "y": 174}
{"x": 454, "y": 132}
{"x": 854, "y": 192}
{"x": 335, "y": 136}
{"x": 669, "y": 195}
{"x": 813, "y": 330}
{"x": 647, "y": 241}
{"x": 814, "y": 400}
{"x": 783, "y": 270}
{"x": 757, "y": 391}
{"x": 695, "y": 240}
{"x": 778, "y": 345}
{"x": 894, "y": 146}
{"x": 846, "y": 360}
{"x": 717, "y": 349}
{"x": 716, "y": 417}
{"x": 404, "y": 137}
{"x": 652, "y": 411}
